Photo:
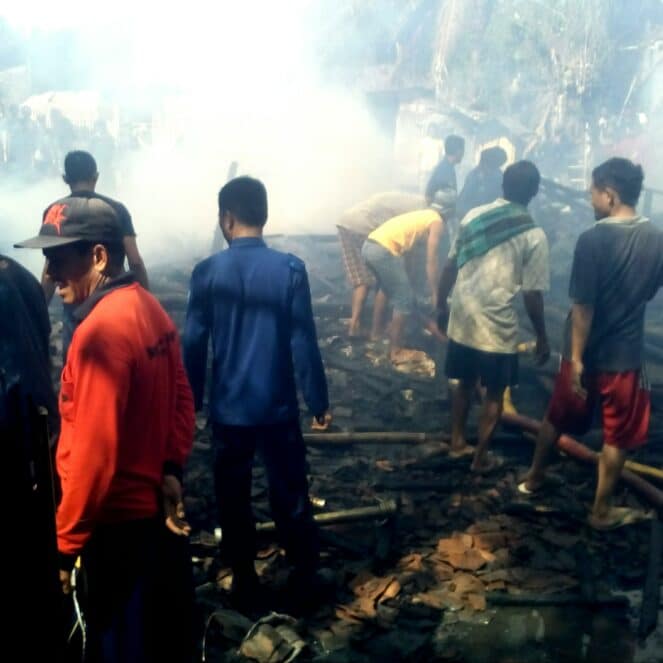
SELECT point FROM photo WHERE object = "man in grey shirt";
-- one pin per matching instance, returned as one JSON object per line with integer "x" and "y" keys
{"x": 617, "y": 269}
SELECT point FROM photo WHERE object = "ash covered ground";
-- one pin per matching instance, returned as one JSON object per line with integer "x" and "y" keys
{"x": 467, "y": 569}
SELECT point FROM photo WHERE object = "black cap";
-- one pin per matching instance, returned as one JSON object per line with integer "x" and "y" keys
{"x": 76, "y": 219}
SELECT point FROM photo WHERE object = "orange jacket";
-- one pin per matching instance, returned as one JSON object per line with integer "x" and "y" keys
{"x": 127, "y": 411}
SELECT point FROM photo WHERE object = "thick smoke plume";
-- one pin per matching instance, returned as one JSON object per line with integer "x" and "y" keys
{"x": 216, "y": 84}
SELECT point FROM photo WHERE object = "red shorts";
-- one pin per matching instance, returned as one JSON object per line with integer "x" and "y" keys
{"x": 625, "y": 406}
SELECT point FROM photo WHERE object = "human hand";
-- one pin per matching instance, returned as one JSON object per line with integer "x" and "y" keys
{"x": 321, "y": 421}
{"x": 173, "y": 506}
{"x": 577, "y": 370}
{"x": 65, "y": 581}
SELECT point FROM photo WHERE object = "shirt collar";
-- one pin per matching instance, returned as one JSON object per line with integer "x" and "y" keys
{"x": 623, "y": 221}
{"x": 243, "y": 242}
{"x": 83, "y": 310}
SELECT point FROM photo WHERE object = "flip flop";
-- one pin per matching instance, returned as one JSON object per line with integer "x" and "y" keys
{"x": 462, "y": 453}
{"x": 549, "y": 483}
{"x": 523, "y": 489}
{"x": 622, "y": 516}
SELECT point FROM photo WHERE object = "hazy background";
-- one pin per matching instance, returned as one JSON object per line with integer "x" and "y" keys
{"x": 327, "y": 101}
{"x": 231, "y": 82}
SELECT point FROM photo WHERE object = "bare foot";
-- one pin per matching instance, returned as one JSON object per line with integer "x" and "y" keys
{"x": 460, "y": 449}
{"x": 529, "y": 487}
{"x": 487, "y": 464}
{"x": 617, "y": 517}
{"x": 355, "y": 330}
{"x": 431, "y": 327}
{"x": 532, "y": 484}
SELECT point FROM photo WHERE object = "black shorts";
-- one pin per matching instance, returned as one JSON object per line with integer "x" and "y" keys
{"x": 496, "y": 370}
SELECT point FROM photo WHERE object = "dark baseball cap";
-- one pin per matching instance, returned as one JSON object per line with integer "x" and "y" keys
{"x": 76, "y": 219}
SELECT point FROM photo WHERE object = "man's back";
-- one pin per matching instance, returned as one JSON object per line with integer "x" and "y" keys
{"x": 400, "y": 233}
{"x": 255, "y": 303}
{"x": 482, "y": 314}
{"x": 364, "y": 217}
{"x": 617, "y": 269}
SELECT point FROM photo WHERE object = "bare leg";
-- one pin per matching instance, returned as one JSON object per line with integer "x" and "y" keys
{"x": 611, "y": 463}
{"x": 378, "y": 315}
{"x": 358, "y": 298}
{"x": 545, "y": 442}
{"x": 491, "y": 411}
{"x": 432, "y": 327}
{"x": 396, "y": 333}
{"x": 379, "y": 307}
{"x": 461, "y": 399}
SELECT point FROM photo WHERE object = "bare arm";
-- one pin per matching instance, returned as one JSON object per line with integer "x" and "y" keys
{"x": 136, "y": 264}
{"x": 581, "y": 324}
{"x": 534, "y": 307}
{"x": 432, "y": 249}
{"x": 447, "y": 282}
{"x": 47, "y": 284}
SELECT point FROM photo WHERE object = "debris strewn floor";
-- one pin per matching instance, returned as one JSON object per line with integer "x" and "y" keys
{"x": 468, "y": 569}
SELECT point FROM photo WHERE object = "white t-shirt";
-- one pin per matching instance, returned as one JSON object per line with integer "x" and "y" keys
{"x": 482, "y": 315}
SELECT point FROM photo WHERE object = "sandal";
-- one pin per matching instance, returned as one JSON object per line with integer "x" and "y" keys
{"x": 621, "y": 516}
{"x": 549, "y": 483}
{"x": 461, "y": 453}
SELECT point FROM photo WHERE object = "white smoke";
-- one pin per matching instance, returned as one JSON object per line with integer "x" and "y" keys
{"x": 222, "y": 82}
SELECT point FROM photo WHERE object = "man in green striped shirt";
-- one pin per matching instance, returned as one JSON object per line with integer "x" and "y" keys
{"x": 498, "y": 252}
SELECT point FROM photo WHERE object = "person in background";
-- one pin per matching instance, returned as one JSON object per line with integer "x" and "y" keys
{"x": 498, "y": 252}
{"x": 28, "y": 422}
{"x": 385, "y": 251}
{"x": 442, "y": 189}
{"x": 354, "y": 226}
{"x": 483, "y": 183}
{"x": 127, "y": 423}
{"x": 80, "y": 174}
{"x": 617, "y": 269}
{"x": 255, "y": 303}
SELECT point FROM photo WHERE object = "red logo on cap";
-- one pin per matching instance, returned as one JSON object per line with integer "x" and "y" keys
{"x": 55, "y": 216}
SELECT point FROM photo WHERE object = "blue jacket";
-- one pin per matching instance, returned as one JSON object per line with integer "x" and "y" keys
{"x": 256, "y": 305}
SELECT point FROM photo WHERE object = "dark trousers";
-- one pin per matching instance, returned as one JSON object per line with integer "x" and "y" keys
{"x": 137, "y": 594}
{"x": 283, "y": 452}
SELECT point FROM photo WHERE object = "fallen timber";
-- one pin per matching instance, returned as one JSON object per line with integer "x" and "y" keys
{"x": 504, "y": 599}
{"x": 572, "y": 447}
{"x": 395, "y": 437}
{"x": 371, "y": 438}
{"x": 580, "y": 452}
{"x": 382, "y": 510}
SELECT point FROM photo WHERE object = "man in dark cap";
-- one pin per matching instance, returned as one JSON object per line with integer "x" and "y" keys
{"x": 81, "y": 175}
{"x": 126, "y": 429}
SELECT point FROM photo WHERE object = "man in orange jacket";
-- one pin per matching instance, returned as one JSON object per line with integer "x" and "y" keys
{"x": 127, "y": 428}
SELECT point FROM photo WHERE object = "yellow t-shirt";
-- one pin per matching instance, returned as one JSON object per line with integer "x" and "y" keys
{"x": 399, "y": 234}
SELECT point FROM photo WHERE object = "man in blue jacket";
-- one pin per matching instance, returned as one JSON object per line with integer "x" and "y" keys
{"x": 255, "y": 303}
